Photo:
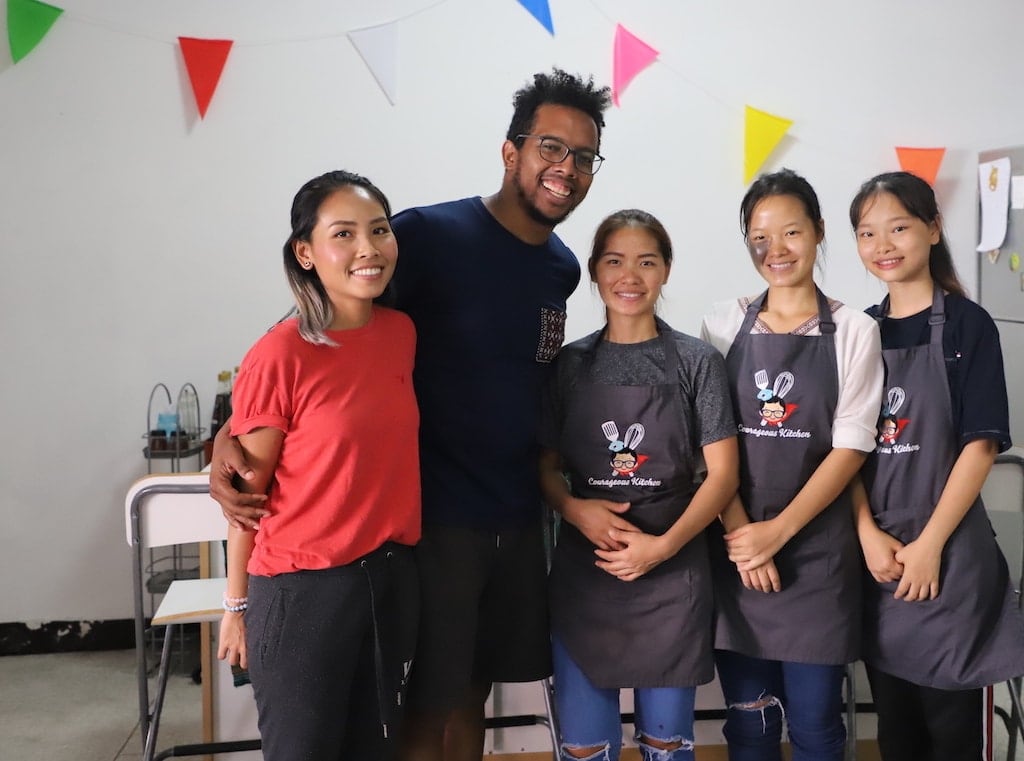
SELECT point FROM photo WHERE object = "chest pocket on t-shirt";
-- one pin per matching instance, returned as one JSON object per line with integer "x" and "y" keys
{"x": 552, "y": 334}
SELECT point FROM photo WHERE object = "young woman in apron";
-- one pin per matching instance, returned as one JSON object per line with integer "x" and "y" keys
{"x": 805, "y": 374}
{"x": 941, "y": 617}
{"x": 629, "y": 413}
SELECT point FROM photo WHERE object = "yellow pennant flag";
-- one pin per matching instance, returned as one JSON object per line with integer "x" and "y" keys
{"x": 762, "y": 133}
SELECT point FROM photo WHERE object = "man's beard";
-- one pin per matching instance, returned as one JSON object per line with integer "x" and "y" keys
{"x": 533, "y": 212}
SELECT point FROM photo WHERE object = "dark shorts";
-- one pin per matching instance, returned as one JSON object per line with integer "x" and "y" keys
{"x": 483, "y": 613}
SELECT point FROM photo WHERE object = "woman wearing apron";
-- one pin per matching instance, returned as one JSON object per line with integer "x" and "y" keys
{"x": 805, "y": 374}
{"x": 629, "y": 412}
{"x": 941, "y": 618}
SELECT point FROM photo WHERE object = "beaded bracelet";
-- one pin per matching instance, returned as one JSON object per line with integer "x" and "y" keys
{"x": 236, "y": 604}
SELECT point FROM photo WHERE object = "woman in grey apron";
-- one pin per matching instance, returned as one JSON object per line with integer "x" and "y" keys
{"x": 629, "y": 412}
{"x": 941, "y": 618}
{"x": 805, "y": 373}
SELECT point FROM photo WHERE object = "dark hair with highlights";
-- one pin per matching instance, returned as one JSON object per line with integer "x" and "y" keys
{"x": 311, "y": 300}
{"x": 558, "y": 88}
{"x": 918, "y": 198}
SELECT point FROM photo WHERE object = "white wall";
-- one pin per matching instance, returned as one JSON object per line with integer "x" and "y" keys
{"x": 141, "y": 245}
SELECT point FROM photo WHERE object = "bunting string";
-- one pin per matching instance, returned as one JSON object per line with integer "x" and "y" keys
{"x": 377, "y": 44}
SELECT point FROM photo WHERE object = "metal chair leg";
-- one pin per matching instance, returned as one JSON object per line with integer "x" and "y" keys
{"x": 549, "y": 706}
{"x": 161, "y": 690}
{"x": 1016, "y": 723}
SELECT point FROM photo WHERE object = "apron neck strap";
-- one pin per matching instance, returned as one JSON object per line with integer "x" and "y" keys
{"x": 667, "y": 343}
{"x": 826, "y": 325}
{"x": 936, "y": 318}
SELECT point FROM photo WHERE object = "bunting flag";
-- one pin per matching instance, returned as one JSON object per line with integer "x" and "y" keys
{"x": 632, "y": 55}
{"x": 378, "y": 47}
{"x": 28, "y": 21}
{"x": 205, "y": 61}
{"x": 923, "y": 162}
{"x": 540, "y": 10}
{"x": 762, "y": 134}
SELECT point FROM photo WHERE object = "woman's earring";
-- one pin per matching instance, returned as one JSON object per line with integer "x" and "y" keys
{"x": 307, "y": 265}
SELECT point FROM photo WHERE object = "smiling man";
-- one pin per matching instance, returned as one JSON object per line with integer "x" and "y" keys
{"x": 486, "y": 280}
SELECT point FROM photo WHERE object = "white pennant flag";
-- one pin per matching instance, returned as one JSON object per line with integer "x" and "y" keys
{"x": 378, "y": 46}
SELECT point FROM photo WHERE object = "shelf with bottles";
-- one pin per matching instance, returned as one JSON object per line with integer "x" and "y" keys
{"x": 222, "y": 401}
{"x": 172, "y": 430}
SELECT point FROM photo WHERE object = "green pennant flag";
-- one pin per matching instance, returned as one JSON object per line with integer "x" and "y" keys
{"x": 28, "y": 21}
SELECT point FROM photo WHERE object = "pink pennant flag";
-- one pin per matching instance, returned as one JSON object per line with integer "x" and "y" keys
{"x": 632, "y": 55}
{"x": 205, "y": 61}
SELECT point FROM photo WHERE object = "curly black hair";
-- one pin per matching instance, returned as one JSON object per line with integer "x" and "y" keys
{"x": 559, "y": 88}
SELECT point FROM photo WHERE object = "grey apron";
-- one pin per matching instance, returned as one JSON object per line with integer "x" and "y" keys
{"x": 971, "y": 635}
{"x": 785, "y": 389}
{"x": 625, "y": 444}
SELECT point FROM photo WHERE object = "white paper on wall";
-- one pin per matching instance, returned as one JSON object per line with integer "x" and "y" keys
{"x": 1017, "y": 191}
{"x": 994, "y": 190}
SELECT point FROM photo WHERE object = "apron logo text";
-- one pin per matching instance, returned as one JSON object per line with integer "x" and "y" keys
{"x": 633, "y": 481}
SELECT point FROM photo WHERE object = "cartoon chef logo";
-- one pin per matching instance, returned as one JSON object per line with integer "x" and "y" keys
{"x": 770, "y": 401}
{"x": 889, "y": 426}
{"x": 625, "y": 459}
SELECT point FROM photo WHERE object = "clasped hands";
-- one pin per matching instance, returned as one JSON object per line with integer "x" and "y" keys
{"x": 623, "y": 550}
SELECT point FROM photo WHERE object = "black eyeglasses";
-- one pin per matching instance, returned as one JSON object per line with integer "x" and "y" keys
{"x": 554, "y": 150}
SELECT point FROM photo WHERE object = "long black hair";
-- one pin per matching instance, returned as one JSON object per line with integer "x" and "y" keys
{"x": 918, "y": 198}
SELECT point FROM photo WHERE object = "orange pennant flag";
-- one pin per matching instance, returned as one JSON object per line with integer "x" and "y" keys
{"x": 205, "y": 61}
{"x": 922, "y": 162}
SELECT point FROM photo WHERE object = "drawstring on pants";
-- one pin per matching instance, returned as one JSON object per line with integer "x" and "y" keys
{"x": 383, "y": 705}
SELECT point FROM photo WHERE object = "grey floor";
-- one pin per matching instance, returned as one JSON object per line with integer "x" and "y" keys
{"x": 83, "y": 706}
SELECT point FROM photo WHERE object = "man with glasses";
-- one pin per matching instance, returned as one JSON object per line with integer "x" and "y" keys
{"x": 485, "y": 281}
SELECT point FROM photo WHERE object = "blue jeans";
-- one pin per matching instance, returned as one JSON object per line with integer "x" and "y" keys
{"x": 759, "y": 694}
{"x": 588, "y": 716}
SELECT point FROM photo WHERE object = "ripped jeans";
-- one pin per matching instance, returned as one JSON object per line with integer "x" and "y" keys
{"x": 588, "y": 716}
{"x": 759, "y": 694}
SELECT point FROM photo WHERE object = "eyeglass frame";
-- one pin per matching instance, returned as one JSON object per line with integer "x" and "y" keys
{"x": 574, "y": 152}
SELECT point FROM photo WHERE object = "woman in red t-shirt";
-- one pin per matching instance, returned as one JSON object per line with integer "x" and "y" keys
{"x": 321, "y": 604}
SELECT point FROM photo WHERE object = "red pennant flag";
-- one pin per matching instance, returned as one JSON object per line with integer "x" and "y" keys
{"x": 923, "y": 162}
{"x": 205, "y": 61}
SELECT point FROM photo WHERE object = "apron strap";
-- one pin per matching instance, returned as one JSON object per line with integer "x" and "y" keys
{"x": 667, "y": 343}
{"x": 936, "y": 319}
{"x": 753, "y": 310}
{"x": 826, "y": 325}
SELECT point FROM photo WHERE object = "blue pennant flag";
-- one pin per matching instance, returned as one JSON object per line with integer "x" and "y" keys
{"x": 539, "y": 10}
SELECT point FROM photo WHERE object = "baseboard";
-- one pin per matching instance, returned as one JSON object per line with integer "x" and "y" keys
{"x": 32, "y": 638}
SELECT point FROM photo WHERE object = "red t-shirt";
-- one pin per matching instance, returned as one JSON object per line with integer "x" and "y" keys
{"x": 347, "y": 479}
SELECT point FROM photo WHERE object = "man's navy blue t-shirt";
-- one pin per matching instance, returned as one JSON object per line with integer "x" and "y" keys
{"x": 489, "y": 312}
